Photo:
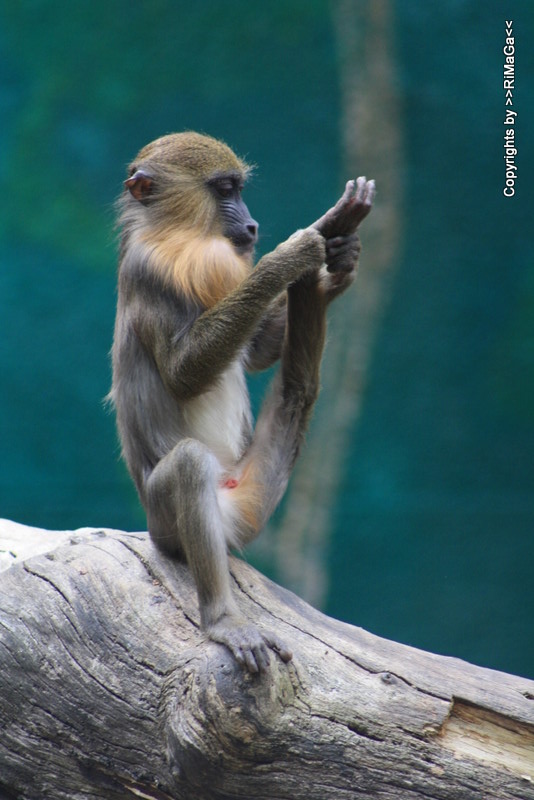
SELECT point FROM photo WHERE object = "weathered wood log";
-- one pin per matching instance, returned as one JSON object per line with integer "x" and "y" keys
{"x": 108, "y": 689}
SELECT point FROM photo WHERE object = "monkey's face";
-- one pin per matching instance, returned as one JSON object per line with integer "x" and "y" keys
{"x": 190, "y": 181}
{"x": 234, "y": 216}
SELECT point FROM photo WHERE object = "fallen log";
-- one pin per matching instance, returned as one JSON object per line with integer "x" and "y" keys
{"x": 108, "y": 689}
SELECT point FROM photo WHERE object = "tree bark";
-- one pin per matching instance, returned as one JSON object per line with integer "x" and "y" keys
{"x": 110, "y": 690}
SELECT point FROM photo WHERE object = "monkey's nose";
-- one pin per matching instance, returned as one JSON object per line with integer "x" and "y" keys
{"x": 252, "y": 228}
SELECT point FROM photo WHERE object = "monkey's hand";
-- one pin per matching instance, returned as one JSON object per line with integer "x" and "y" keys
{"x": 249, "y": 646}
{"x": 349, "y": 211}
{"x": 304, "y": 251}
{"x": 342, "y": 253}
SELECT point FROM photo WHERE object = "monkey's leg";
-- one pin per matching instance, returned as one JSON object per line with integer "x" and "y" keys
{"x": 285, "y": 415}
{"x": 184, "y": 515}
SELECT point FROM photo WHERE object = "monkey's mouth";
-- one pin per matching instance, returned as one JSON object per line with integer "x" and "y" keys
{"x": 245, "y": 243}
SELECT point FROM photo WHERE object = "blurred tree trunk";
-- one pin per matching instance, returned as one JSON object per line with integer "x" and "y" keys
{"x": 371, "y": 143}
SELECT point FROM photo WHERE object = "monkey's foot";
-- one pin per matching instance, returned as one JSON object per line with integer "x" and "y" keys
{"x": 249, "y": 646}
{"x": 349, "y": 211}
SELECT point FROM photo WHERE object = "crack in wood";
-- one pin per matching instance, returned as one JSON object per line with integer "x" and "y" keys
{"x": 387, "y": 677}
{"x": 485, "y": 736}
{"x": 47, "y": 580}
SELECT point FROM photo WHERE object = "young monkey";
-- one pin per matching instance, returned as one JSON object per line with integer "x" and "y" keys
{"x": 192, "y": 317}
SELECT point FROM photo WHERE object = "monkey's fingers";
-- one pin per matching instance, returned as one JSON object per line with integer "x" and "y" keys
{"x": 342, "y": 253}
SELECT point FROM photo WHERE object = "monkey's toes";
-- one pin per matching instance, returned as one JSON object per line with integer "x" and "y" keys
{"x": 278, "y": 646}
{"x": 362, "y": 201}
{"x": 253, "y": 651}
{"x": 365, "y": 191}
{"x": 249, "y": 646}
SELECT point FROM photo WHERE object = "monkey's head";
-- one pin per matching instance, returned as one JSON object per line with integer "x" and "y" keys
{"x": 191, "y": 181}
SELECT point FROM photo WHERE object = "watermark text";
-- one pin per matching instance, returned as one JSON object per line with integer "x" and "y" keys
{"x": 510, "y": 114}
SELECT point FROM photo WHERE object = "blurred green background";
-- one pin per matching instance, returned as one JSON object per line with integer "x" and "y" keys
{"x": 412, "y": 510}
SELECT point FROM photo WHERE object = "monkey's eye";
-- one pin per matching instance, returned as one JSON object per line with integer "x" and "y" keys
{"x": 224, "y": 188}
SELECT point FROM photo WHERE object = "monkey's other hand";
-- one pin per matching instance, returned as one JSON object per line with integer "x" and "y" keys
{"x": 303, "y": 252}
{"x": 249, "y": 646}
{"x": 349, "y": 211}
{"x": 342, "y": 253}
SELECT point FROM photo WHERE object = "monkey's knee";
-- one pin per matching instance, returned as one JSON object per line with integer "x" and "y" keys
{"x": 178, "y": 491}
{"x": 195, "y": 467}
{"x": 189, "y": 466}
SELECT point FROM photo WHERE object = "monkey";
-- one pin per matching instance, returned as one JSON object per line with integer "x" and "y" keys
{"x": 193, "y": 317}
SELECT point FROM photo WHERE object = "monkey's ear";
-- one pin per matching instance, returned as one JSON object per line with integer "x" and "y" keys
{"x": 140, "y": 185}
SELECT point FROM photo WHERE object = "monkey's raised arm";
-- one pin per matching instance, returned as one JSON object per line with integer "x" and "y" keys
{"x": 192, "y": 359}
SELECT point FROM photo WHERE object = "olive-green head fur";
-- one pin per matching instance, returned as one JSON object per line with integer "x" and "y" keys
{"x": 195, "y": 153}
{"x": 170, "y": 177}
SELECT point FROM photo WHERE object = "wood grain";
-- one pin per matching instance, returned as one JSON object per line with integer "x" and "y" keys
{"x": 110, "y": 690}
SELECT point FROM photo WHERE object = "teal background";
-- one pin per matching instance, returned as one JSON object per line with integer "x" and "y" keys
{"x": 432, "y": 525}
